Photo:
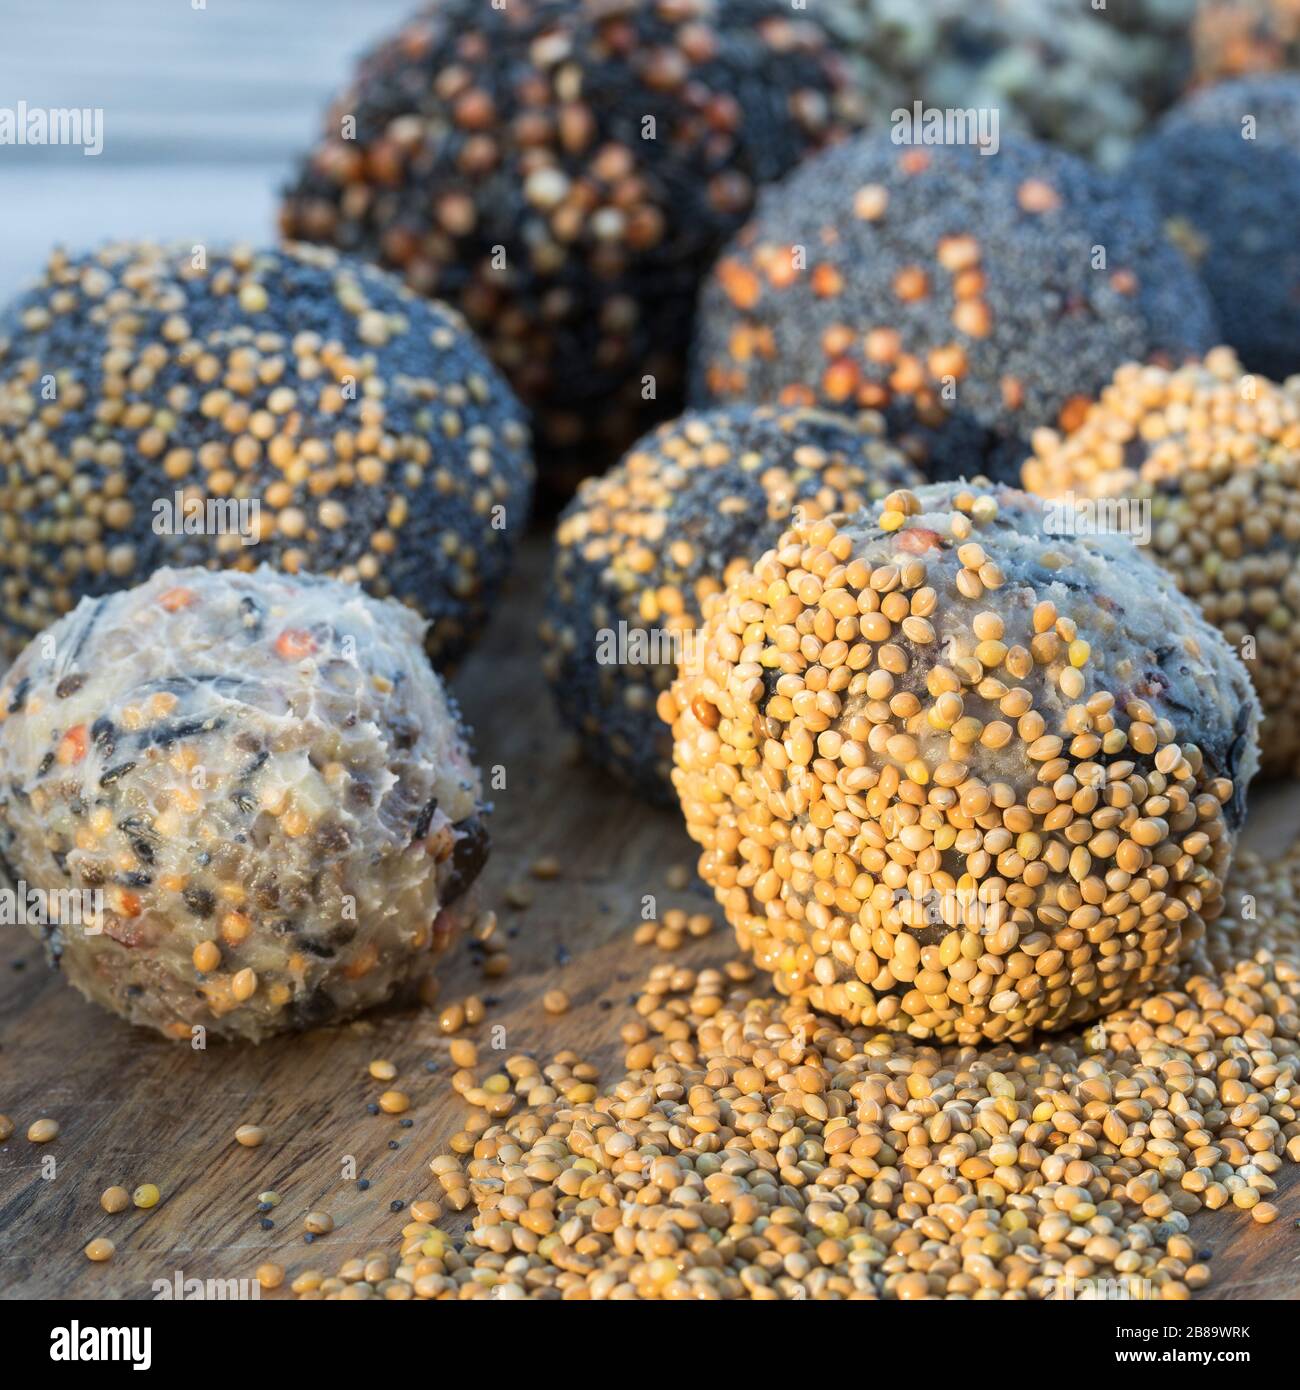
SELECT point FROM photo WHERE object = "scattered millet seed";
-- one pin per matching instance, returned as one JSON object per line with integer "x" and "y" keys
{"x": 43, "y": 1131}
{"x": 497, "y": 965}
{"x": 382, "y": 1070}
{"x": 146, "y": 1195}
{"x": 318, "y": 1223}
{"x": 394, "y": 1102}
{"x": 1039, "y": 1172}
{"x": 555, "y": 1001}
{"x": 268, "y": 1199}
{"x": 452, "y": 1018}
{"x": 270, "y": 1276}
{"x": 250, "y": 1136}
{"x": 115, "y": 1199}
{"x": 100, "y": 1249}
{"x": 463, "y": 1052}
{"x": 545, "y": 868}
{"x": 678, "y": 877}
{"x": 6, "y": 1128}
{"x": 519, "y": 896}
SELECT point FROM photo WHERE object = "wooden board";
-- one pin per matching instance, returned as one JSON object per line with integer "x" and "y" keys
{"x": 136, "y": 1109}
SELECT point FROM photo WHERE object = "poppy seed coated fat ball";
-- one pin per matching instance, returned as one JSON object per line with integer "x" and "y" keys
{"x": 955, "y": 776}
{"x": 258, "y": 786}
{"x": 969, "y": 297}
{"x": 640, "y": 549}
{"x": 1224, "y": 168}
{"x": 1213, "y": 454}
{"x": 188, "y": 406}
{"x": 564, "y": 171}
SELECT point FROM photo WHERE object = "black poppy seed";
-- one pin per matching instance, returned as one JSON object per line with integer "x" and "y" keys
{"x": 393, "y": 1144}
{"x": 267, "y": 1224}
{"x": 199, "y": 901}
{"x": 363, "y": 1184}
{"x": 372, "y": 1109}
{"x": 396, "y": 1205}
{"x": 406, "y": 1124}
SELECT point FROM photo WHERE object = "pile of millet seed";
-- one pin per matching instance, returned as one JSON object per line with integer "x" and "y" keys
{"x": 754, "y": 1149}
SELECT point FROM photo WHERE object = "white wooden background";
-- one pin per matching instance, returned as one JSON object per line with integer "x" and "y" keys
{"x": 204, "y": 109}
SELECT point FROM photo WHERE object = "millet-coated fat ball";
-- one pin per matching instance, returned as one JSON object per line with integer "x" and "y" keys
{"x": 640, "y": 549}
{"x": 955, "y": 776}
{"x": 1224, "y": 168}
{"x": 185, "y": 405}
{"x": 969, "y": 297}
{"x": 1213, "y": 454}
{"x": 263, "y": 787}
{"x": 564, "y": 171}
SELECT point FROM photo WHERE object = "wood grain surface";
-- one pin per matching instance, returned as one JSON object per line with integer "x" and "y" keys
{"x": 134, "y": 1108}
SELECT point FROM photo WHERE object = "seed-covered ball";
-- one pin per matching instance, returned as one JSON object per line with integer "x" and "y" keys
{"x": 1224, "y": 167}
{"x": 189, "y": 406}
{"x": 969, "y": 297}
{"x": 640, "y": 549}
{"x": 1085, "y": 76}
{"x": 246, "y": 800}
{"x": 564, "y": 171}
{"x": 958, "y": 777}
{"x": 1209, "y": 458}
